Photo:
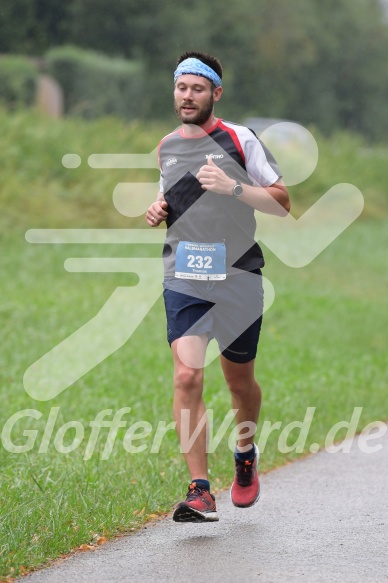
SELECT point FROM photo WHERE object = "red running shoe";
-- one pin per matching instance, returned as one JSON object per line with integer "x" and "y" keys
{"x": 245, "y": 490}
{"x": 199, "y": 506}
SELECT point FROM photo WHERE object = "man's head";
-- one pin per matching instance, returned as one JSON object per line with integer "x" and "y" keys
{"x": 197, "y": 85}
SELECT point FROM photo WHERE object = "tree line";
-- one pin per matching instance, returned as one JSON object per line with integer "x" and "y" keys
{"x": 320, "y": 62}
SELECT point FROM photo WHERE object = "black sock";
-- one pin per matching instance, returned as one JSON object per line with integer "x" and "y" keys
{"x": 202, "y": 484}
{"x": 246, "y": 455}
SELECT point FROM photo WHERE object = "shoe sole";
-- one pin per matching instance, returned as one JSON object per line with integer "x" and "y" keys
{"x": 187, "y": 514}
{"x": 258, "y": 495}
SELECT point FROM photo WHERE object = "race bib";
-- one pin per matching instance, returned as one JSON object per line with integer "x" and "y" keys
{"x": 200, "y": 260}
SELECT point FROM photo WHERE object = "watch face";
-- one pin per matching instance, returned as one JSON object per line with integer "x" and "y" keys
{"x": 238, "y": 190}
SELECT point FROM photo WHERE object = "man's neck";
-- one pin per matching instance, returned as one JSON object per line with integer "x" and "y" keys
{"x": 192, "y": 131}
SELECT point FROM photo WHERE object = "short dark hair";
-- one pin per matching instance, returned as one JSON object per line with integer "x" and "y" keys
{"x": 209, "y": 60}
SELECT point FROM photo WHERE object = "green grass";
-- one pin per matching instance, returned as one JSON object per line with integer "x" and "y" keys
{"x": 323, "y": 345}
{"x": 37, "y": 191}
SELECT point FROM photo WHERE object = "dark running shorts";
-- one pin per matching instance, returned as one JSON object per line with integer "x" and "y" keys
{"x": 229, "y": 311}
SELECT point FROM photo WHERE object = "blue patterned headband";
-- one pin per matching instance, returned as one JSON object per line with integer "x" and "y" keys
{"x": 193, "y": 66}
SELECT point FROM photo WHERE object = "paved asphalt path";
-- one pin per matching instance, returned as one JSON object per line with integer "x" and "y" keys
{"x": 321, "y": 519}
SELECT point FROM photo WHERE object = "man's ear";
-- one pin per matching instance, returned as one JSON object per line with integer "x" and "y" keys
{"x": 217, "y": 93}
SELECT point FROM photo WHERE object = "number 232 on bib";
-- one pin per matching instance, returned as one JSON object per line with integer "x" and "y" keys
{"x": 206, "y": 261}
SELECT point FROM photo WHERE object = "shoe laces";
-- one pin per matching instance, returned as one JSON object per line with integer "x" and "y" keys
{"x": 244, "y": 472}
{"x": 194, "y": 491}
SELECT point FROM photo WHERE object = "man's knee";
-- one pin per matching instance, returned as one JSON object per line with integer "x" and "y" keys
{"x": 188, "y": 379}
{"x": 240, "y": 379}
{"x": 239, "y": 388}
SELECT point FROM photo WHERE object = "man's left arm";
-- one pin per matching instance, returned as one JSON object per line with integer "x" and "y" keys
{"x": 271, "y": 199}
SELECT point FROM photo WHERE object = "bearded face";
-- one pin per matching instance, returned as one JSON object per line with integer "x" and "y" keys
{"x": 193, "y": 99}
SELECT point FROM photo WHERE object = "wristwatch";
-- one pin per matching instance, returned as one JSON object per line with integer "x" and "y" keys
{"x": 237, "y": 190}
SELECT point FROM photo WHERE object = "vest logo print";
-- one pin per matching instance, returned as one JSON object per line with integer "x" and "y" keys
{"x": 215, "y": 156}
{"x": 171, "y": 161}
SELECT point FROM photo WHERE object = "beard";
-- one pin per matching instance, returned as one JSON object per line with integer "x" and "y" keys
{"x": 201, "y": 116}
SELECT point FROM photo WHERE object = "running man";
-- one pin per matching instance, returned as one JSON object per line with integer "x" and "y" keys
{"x": 214, "y": 174}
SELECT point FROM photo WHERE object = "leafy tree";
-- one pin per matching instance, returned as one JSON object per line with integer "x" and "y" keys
{"x": 16, "y": 23}
{"x": 314, "y": 61}
{"x": 32, "y": 26}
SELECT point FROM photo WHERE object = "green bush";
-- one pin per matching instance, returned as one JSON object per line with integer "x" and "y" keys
{"x": 95, "y": 85}
{"x": 18, "y": 78}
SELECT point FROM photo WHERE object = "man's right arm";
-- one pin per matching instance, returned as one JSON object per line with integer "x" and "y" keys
{"x": 157, "y": 213}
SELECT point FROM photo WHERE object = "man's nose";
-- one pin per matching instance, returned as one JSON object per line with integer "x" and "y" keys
{"x": 188, "y": 95}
